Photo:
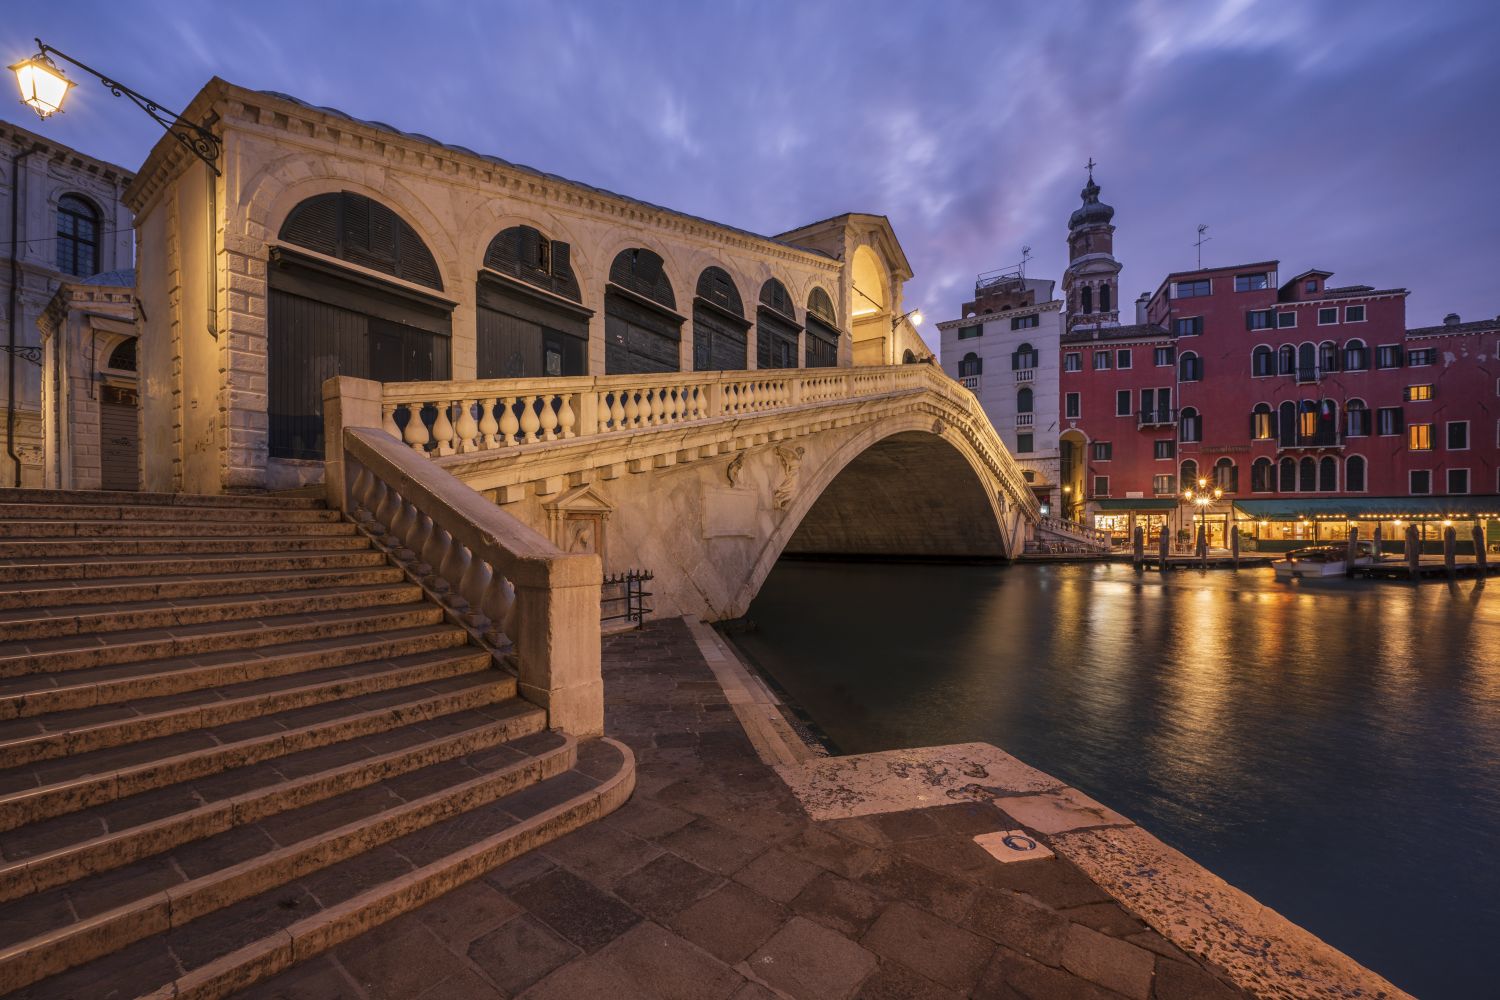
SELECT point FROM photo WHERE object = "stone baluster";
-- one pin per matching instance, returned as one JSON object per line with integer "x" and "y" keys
{"x": 467, "y": 428}
{"x": 567, "y": 420}
{"x": 404, "y": 524}
{"x": 418, "y": 542}
{"x": 548, "y": 418}
{"x": 388, "y": 420}
{"x": 632, "y": 409}
{"x": 433, "y": 552}
{"x": 499, "y": 599}
{"x": 508, "y": 423}
{"x": 416, "y": 431}
{"x": 442, "y": 430}
{"x": 488, "y": 425}
{"x": 529, "y": 421}
{"x": 616, "y": 411}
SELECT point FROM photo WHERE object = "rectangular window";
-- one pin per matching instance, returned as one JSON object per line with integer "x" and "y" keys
{"x": 1024, "y": 322}
{"x": 1311, "y": 286}
{"x": 1388, "y": 421}
{"x": 1072, "y": 405}
{"x": 1192, "y": 326}
{"x": 1023, "y": 443}
{"x": 1122, "y": 402}
{"x": 1421, "y": 358}
{"x": 1458, "y": 481}
{"x": 970, "y": 332}
{"x": 1421, "y": 482}
{"x": 1101, "y": 486}
{"x": 1164, "y": 448}
{"x": 1250, "y": 282}
{"x": 1192, "y": 289}
{"x": 1259, "y": 319}
{"x": 1419, "y": 437}
{"x": 1102, "y": 361}
{"x": 1165, "y": 357}
{"x": 1164, "y": 486}
{"x": 1103, "y": 451}
{"x": 1359, "y": 421}
{"x": 1458, "y": 435}
{"x": 1285, "y": 320}
{"x": 1328, "y": 316}
{"x": 1418, "y": 393}
{"x": 1388, "y": 356}
{"x": 1073, "y": 362}
{"x": 1354, "y": 314}
{"x": 1123, "y": 359}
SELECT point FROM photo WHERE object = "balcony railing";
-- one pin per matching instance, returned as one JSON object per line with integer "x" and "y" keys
{"x": 970, "y": 382}
{"x": 1024, "y": 419}
{"x": 1155, "y": 418}
{"x": 1025, "y": 374}
{"x": 1306, "y": 374}
{"x": 1320, "y": 439}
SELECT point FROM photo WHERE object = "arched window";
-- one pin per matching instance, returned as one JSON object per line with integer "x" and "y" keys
{"x": 362, "y": 231}
{"x": 719, "y": 324}
{"x": 1227, "y": 475}
{"x": 1190, "y": 424}
{"x": 1354, "y": 474}
{"x": 642, "y": 329}
{"x": 1307, "y": 421}
{"x": 1357, "y": 418}
{"x": 1328, "y": 474}
{"x": 123, "y": 357}
{"x": 1024, "y": 399}
{"x": 1023, "y": 357}
{"x": 520, "y": 334}
{"x": 1307, "y": 475}
{"x": 1356, "y": 357}
{"x": 1286, "y": 421}
{"x": 776, "y": 327}
{"x": 908, "y": 358}
{"x": 1288, "y": 475}
{"x": 1262, "y": 423}
{"x": 1307, "y": 363}
{"x": 1262, "y": 362}
{"x": 1104, "y": 298}
{"x": 1087, "y": 298}
{"x": 970, "y": 365}
{"x": 1190, "y": 367}
{"x": 1328, "y": 357}
{"x": 524, "y": 253}
{"x": 1262, "y": 474}
{"x": 1328, "y": 423}
{"x": 1286, "y": 360}
{"x": 77, "y": 237}
{"x": 1188, "y": 474}
{"x": 822, "y": 345}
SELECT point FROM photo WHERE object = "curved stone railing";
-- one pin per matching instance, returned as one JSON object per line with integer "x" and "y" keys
{"x": 440, "y": 419}
{"x": 1062, "y": 526}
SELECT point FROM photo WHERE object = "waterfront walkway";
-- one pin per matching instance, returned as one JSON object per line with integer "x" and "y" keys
{"x": 712, "y": 882}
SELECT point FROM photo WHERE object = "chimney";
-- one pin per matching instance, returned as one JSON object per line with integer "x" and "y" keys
{"x": 1140, "y": 308}
{"x": 1451, "y": 319}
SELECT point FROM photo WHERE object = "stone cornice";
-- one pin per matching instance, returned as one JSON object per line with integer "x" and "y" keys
{"x": 55, "y": 150}
{"x": 1053, "y": 305}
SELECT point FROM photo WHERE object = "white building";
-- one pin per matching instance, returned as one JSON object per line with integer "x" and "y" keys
{"x": 62, "y": 213}
{"x": 1005, "y": 349}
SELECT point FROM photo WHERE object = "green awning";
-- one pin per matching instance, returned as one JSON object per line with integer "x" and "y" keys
{"x": 1386, "y": 508}
{"x": 1136, "y": 503}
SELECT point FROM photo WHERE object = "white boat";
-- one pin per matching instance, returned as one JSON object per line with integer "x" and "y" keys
{"x": 1319, "y": 561}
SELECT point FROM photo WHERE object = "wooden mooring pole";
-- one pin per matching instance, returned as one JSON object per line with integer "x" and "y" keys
{"x": 1352, "y": 553}
{"x": 1450, "y": 552}
{"x": 1163, "y": 548}
{"x": 1481, "y": 557}
{"x": 1413, "y": 553}
{"x": 1138, "y": 549}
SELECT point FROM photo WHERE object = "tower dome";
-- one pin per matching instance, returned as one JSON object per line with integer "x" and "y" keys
{"x": 1092, "y": 211}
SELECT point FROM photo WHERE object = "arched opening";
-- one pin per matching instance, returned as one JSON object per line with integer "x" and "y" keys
{"x": 1354, "y": 474}
{"x": 1025, "y": 400}
{"x": 776, "y": 327}
{"x": 1262, "y": 472}
{"x": 642, "y": 328}
{"x": 1286, "y": 360}
{"x": 77, "y": 249}
{"x": 1262, "y": 362}
{"x": 1262, "y": 423}
{"x": 909, "y": 495}
{"x": 1357, "y": 418}
{"x": 1356, "y": 357}
{"x": 1288, "y": 475}
{"x": 1328, "y": 357}
{"x": 119, "y": 419}
{"x": 1307, "y": 475}
{"x": 1187, "y": 475}
{"x": 1024, "y": 357}
{"x": 1328, "y": 474}
{"x": 822, "y": 350}
{"x": 908, "y": 358}
{"x": 324, "y": 319}
{"x": 123, "y": 357}
{"x": 1227, "y": 475}
{"x": 1191, "y": 367}
{"x": 871, "y": 314}
{"x": 530, "y": 318}
{"x": 970, "y": 365}
{"x": 1072, "y": 469}
{"x": 1307, "y": 363}
{"x": 720, "y": 330}
{"x": 1190, "y": 424}
{"x": 1286, "y": 420}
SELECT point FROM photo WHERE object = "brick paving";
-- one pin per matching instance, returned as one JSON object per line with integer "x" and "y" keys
{"x": 713, "y": 884}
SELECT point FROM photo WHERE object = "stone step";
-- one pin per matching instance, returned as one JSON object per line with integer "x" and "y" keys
{"x": 83, "y": 652}
{"x": 169, "y": 529}
{"x": 192, "y": 947}
{"x": 58, "y": 734}
{"x": 52, "y": 852}
{"x": 115, "y": 497}
{"x": 29, "y": 624}
{"x": 144, "y": 512}
{"x": 61, "y": 548}
{"x": 53, "y": 787}
{"x": 72, "y": 924}
{"x": 30, "y": 695}
{"x": 108, "y": 567}
{"x": 133, "y": 589}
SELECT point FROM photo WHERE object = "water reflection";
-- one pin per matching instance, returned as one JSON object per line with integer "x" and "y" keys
{"x": 1332, "y": 748}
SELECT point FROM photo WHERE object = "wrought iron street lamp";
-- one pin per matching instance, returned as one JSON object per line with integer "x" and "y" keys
{"x": 44, "y": 89}
{"x": 915, "y": 316}
{"x": 1204, "y": 498}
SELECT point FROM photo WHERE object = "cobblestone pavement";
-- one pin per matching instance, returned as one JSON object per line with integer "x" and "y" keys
{"x": 713, "y": 883}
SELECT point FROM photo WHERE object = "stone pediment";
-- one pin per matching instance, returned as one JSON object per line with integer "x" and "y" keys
{"x": 580, "y": 500}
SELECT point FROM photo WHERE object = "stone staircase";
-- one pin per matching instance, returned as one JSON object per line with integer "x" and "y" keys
{"x": 234, "y": 734}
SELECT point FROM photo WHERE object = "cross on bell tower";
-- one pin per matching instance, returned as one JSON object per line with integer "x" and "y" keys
{"x": 1091, "y": 282}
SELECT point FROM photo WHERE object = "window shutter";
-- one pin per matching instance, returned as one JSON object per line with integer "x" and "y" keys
{"x": 1015, "y": 360}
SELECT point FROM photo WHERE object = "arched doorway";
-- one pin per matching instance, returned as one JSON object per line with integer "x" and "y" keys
{"x": 822, "y": 350}
{"x": 642, "y": 328}
{"x": 530, "y": 319}
{"x": 871, "y": 308}
{"x": 776, "y": 328}
{"x": 1072, "y": 469}
{"x": 325, "y": 319}
{"x": 719, "y": 324}
{"x": 119, "y": 420}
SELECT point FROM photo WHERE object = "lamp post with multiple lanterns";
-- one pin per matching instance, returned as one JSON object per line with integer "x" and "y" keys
{"x": 1204, "y": 498}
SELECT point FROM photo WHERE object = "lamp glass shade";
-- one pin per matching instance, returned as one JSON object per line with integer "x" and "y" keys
{"x": 916, "y": 317}
{"x": 43, "y": 87}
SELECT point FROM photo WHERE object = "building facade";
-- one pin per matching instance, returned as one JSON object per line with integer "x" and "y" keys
{"x": 65, "y": 220}
{"x": 1005, "y": 350}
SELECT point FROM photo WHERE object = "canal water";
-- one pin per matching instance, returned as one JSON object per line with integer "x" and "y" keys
{"x": 1331, "y": 748}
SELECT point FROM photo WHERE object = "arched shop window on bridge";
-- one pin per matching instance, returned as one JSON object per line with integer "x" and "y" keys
{"x": 776, "y": 330}
{"x": 325, "y": 319}
{"x": 531, "y": 320}
{"x": 822, "y": 349}
{"x": 719, "y": 325}
{"x": 642, "y": 328}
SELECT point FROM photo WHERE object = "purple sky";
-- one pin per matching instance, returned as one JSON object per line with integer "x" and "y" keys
{"x": 1360, "y": 137}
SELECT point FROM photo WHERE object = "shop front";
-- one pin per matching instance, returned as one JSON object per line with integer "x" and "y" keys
{"x": 1283, "y": 524}
{"x": 1120, "y": 517}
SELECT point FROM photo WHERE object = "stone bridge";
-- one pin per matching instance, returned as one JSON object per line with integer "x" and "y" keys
{"x": 706, "y": 478}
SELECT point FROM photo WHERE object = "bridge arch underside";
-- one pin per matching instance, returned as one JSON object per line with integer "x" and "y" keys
{"x": 908, "y": 496}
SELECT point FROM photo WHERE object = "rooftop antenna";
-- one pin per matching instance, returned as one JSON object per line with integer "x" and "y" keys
{"x": 1202, "y": 228}
{"x": 1025, "y": 256}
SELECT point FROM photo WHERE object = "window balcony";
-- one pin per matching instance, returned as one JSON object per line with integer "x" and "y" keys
{"x": 1320, "y": 439}
{"x": 1155, "y": 418}
{"x": 1025, "y": 374}
{"x": 970, "y": 382}
{"x": 1025, "y": 419}
{"x": 1307, "y": 375}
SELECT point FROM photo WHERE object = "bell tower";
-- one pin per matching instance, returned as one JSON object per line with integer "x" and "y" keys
{"x": 1091, "y": 282}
